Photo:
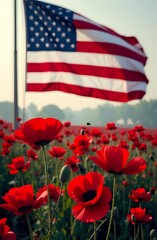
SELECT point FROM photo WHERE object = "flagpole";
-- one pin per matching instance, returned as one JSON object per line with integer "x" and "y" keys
{"x": 15, "y": 67}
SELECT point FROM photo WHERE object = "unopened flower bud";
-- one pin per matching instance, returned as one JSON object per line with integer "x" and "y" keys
{"x": 82, "y": 131}
{"x": 151, "y": 157}
{"x": 64, "y": 174}
{"x": 133, "y": 219}
{"x": 115, "y": 212}
{"x": 81, "y": 167}
{"x": 153, "y": 234}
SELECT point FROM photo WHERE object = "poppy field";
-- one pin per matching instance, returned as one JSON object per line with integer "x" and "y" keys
{"x": 85, "y": 183}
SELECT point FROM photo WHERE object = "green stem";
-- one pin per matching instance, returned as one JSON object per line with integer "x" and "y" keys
{"x": 112, "y": 208}
{"x": 72, "y": 228}
{"x": 97, "y": 228}
{"x": 142, "y": 232}
{"x": 29, "y": 226}
{"x": 57, "y": 204}
{"x": 94, "y": 230}
{"x": 114, "y": 228}
{"x": 40, "y": 219}
{"x": 48, "y": 192}
{"x": 22, "y": 181}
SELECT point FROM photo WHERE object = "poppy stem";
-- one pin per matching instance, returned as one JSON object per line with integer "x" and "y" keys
{"x": 48, "y": 192}
{"x": 97, "y": 228}
{"x": 29, "y": 226}
{"x": 22, "y": 181}
{"x": 112, "y": 208}
{"x": 94, "y": 230}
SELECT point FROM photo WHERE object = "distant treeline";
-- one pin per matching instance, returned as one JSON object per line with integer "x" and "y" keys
{"x": 143, "y": 113}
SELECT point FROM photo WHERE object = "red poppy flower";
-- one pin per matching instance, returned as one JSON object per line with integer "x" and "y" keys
{"x": 57, "y": 151}
{"x": 114, "y": 159}
{"x": 140, "y": 194}
{"x": 21, "y": 200}
{"x": 67, "y": 124}
{"x": 39, "y": 131}
{"x": 32, "y": 154}
{"x": 82, "y": 143}
{"x": 123, "y": 144}
{"x": 104, "y": 139}
{"x": 5, "y": 233}
{"x": 139, "y": 128}
{"x": 95, "y": 132}
{"x": 111, "y": 126}
{"x": 18, "y": 164}
{"x": 5, "y": 151}
{"x": 138, "y": 215}
{"x": 91, "y": 196}
{"x": 54, "y": 192}
{"x": 143, "y": 147}
{"x": 72, "y": 162}
{"x": 10, "y": 139}
{"x": 1, "y": 134}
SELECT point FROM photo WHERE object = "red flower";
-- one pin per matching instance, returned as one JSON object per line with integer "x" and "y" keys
{"x": 95, "y": 132}
{"x": 138, "y": 215}
{"x": 21, "y": 200}
{"x": 18, "y": 164}
{"x": 54, "y": 192}
{"x": 114, "y": 159}
{"x": 139, "y": 128}
{"x": 91, "y": 196}
{"x": 32, "y": 154}
{"x": 67, "y": 124}
{"x": 5, "y": 233}
{"x": 72, "y": 162}
{"x": 39, "y": 131}
{"x": 82, "y": 143}
{"x": 111, "y": 126}
{"x": 57, "y": 151}
{"x": 140, "y": 194}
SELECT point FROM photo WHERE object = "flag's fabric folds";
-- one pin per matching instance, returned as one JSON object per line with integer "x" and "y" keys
{"x": 70, "y": 53}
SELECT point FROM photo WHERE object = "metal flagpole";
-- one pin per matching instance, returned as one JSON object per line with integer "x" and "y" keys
{"x": 15, "y": 68}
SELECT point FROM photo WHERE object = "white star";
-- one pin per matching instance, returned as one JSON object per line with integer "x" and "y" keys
{"x": 32, "y": 39}
{"x": 45, "y": 23}
{"x": 68, "y": 40}
{"x": 40, "y": 17}
{"x": 42, "y": 39}
{"x": 59, "y": 29}
{"x": 55, "y": 45}
{"x": 69, "y": 29}
{"x": 54, "y": 23}
{"x": 35, "y": 12}
{"x": 63, "y": 23}
{"x": 72, "y": 45}
{"x": 62, "y": 45}
{"x": 46, "y": 34}
{"x": 31, "y": 17}
{"x": 37, "y": 45}
{"x": 57, "y": 39}
{"x": 31, "y": 28}
{"x": 66, "y": 18}
{"x": 53, "y": 34}
{"x": 49, "y": 28}
{"x": 41, "y": 28}
{"x": 47, "y": 45}
{"x": 63, "y": 34}
{"x": 36, "y": 23}
{"x": 49, "y": 18}
{"x": 36, "y": 34}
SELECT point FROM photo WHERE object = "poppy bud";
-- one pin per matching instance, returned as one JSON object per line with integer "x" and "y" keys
{"x": 64, "y": 174}
{"x": 82, "y": 132}
{"x": 54, "y": 179}
{"x": 115, "y": 212}
{"x": 133, "y": 219}
{"x": 81, "y": 167}
{"x": 151, "y": 157}
{"x": 153, "y": 234}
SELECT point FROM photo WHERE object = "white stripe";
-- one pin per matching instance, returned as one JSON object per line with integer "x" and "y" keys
{"x": 93, "y": 59}
{"x": 99, "y": 36}
{"x": 83, "y": 19}
{"x": 86, "y": 81}
{"x": 103, "y": 37}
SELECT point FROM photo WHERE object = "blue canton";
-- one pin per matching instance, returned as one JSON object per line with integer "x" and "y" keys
{"x": 49, "y": 27}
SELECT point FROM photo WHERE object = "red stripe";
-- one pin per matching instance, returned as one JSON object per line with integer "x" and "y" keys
{"x": 85, "y": 91}
{"x": 109, "y": 48}
{"x": 80, "y": 24}
{"x": 98, "y": 71}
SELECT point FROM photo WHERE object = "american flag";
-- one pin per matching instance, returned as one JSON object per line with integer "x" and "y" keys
{"x": 69, "y": 52}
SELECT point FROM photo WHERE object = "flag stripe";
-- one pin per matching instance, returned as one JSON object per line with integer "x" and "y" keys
{"x": 108, "y": 48}
{"x": 86, "y": 91}
{"x": 88, "y": 70}
{"x": 95, "y": 82}
{"x": 93, "y": 59}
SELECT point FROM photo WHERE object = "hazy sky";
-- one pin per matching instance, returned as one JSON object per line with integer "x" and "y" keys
{"x": 128, "y": 17}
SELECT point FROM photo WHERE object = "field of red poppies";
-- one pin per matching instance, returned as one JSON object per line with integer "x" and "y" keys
{"x": 77, "y": 183}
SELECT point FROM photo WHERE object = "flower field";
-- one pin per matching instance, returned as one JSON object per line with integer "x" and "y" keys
{"x": 60, "y": 181}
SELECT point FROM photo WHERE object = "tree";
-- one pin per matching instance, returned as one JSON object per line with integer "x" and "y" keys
{"x": 51, "y": 111}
